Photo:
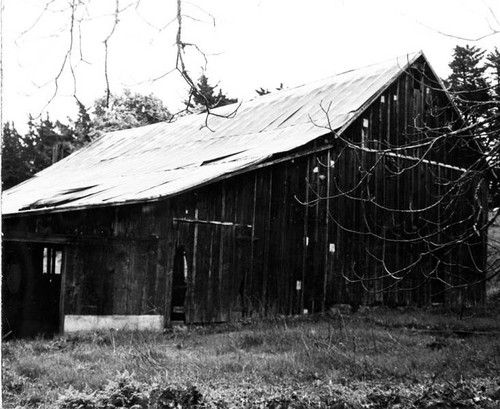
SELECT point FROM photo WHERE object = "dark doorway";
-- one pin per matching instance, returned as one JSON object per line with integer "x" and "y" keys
{"x": 179, "y": 286}
{"x": 31, "y": 288}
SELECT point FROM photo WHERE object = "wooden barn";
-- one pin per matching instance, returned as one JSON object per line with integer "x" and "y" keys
{"x": 349, "y": 190}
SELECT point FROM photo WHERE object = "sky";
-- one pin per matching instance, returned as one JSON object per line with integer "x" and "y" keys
{"x": 248, "y": 44}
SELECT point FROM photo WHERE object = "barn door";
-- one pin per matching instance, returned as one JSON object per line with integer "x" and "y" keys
{"x": 217, "y": 257}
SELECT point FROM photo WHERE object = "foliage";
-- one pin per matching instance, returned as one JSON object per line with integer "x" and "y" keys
{"x": 467, "y": 82}
{"x": 83, "y": 127}
{"x": 493, "y": 132}
{"x": 374, "y": 358}
{"x": 47, "y": 142}
{"x": 128, "y": 110}
{"x": 264, "y": 91}
{"x": 493, "y": 64}
{"x": 475, "y": 87}
{"x": 203, "y": 97}
{"x": 126, "y": 393}
{"x": 15, "y": 163}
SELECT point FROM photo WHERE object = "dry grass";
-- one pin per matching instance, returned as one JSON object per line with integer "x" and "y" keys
{"x": 317, "y": 357}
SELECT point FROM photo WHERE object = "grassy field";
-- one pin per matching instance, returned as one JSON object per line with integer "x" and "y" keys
{"x": 375, "y": 358}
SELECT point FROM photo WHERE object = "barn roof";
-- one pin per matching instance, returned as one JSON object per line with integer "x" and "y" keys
{"x": 160, "y": 160}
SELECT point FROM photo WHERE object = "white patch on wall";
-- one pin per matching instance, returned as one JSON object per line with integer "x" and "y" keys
{"x": 76, "y": 323}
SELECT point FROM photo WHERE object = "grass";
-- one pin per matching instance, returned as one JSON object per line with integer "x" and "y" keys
{"x": 493, "y": 257}
{"x": 367, "y": 358}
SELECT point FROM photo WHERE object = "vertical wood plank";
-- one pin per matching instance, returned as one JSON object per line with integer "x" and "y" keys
{"x": 305, "y": 236}
{"x": 326, "y": 250}
{"x": 267, "y": 239}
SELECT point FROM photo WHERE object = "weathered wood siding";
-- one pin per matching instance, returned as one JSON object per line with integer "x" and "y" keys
{"x": 291, "y": 236}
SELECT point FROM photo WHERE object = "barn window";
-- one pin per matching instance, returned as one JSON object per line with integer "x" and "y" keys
{"x": 52, "y": 260}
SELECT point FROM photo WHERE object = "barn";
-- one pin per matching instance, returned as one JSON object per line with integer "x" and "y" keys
{"x": 352, "y": 190}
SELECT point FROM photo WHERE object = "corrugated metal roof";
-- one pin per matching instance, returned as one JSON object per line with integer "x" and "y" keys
{"x": 163, "y": 159}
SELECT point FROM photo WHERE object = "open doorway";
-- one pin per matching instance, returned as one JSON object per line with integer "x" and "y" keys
{"x": 179, "y": 286}
{"x": 31, "y": 289}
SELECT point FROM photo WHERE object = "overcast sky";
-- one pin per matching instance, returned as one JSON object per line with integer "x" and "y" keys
{"x": 253, "y": 44}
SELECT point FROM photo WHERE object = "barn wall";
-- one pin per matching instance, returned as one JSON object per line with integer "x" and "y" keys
{"x": 115, "y": 258}
{"x": 301, "y": 234}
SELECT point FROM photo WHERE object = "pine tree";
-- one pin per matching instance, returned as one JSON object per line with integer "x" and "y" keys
{"x": 493, "y": 131}
{"x": 493, "y": 63}
{"x": 205, "y": 96}
{"x": 15, "y": 166}
{"x": 467, "y": 82}
{"x": 83, "y": 127}
{"x": 43, "y": 143}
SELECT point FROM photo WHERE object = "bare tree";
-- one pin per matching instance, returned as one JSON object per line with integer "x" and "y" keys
{"x": 76, "y": 15}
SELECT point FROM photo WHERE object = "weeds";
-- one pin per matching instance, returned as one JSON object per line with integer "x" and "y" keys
{"x": 380, "y": 359}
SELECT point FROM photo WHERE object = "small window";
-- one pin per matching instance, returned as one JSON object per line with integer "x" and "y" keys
{"x": 52, "y": 261}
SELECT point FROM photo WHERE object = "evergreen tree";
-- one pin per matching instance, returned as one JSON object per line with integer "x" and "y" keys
{"x": 475, "y": 87}
{"x": 493, "y": 130}
{"x": 205, "y": 96}
{"x": 83, "y": 127}
{"x": 45, "y": 143}
{"x": 15, "y": 166}
{"x": 467, "y": 82}
{"x": 493, "y": 63}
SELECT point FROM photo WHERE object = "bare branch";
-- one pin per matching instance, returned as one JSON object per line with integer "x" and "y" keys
{"x": 106, "y": 51}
